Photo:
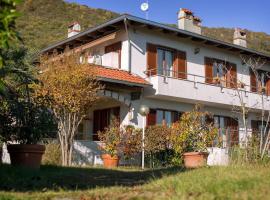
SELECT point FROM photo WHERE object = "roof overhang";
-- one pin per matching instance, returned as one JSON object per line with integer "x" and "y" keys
{"x": 116, "y": 24}
{"x": 127, "y": 83}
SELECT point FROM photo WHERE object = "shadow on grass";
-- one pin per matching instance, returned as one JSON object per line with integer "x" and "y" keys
{"x": 73, "y": 178}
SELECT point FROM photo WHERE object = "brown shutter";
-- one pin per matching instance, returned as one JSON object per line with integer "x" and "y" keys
{"x": 233, "y": 134}
{"x": 232, "y": 75}
{"x": 151, "y": 118}
{"x": 267, "y": 87}
{"x": 180, "y": 65}
{"x": 151, "y": 59}
{"x": 253, "y": 82}
{"x": 116, "y": 47}
{"x": 208, "y": 70}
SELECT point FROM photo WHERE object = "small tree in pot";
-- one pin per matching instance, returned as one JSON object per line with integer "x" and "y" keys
{"x": 23, "y": 120}
{"x": 192, "y": 135}
{"x": 111, "y": 138}
{"x": 30, "y": 123}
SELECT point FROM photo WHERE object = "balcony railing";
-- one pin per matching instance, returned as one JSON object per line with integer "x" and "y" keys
{"x": 217, "y": 81}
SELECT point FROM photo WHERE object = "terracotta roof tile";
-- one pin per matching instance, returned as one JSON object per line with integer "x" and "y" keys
{"x": 118, "y": 74}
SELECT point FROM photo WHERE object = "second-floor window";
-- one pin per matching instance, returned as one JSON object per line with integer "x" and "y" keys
{"x": 112, "y": 56}
{"x": 261, "y": 83}
{"x": 220, "y": 72}
{"x": 165, "y": 62}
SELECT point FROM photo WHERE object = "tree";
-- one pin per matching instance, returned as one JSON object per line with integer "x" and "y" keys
{"x": 69, "y": 89}
{"x": 255, "y": 64}
{"x": 22, "y": 119}
{"x": 8, "y": 36}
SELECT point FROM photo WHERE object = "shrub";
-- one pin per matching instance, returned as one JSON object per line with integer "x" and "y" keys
{"x": 111, "y": 137}
{"x": 193, "y": 133}
{"x": 249, "y": 154}
{"x": 131, "y": 142}
{"x": 158, "y": 146}
{"x": 52, "y": 155}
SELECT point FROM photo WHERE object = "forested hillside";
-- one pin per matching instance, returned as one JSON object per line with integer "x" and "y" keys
{"x": 44, "y": 22}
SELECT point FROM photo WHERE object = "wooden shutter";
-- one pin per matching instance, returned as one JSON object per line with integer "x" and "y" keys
{"x": 253, "y": 82}
{"x": 151, "y": 59}
{"x": 116, "y": 47}
{"x": 267, "y": 85}
{"x": 151, "y": 118}
{"x": 208, "y": 70}
{"x": 180, "y": 64}
{"x": 232, "y": 75}
{"x": 233, "y": 134}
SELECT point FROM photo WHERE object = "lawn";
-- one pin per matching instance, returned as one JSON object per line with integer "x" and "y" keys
{"x": 234, "y": 182}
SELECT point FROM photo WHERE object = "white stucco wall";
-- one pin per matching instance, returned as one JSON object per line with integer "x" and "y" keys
{"x": 173, "y": 94}
{"x": 195, "y": 62}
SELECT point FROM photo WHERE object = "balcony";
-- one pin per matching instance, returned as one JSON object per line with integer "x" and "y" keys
{"x": 108, "y": 60}
{"x": 194, "y": 89}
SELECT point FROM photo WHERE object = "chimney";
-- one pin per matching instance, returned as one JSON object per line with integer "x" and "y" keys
{"x": 188, "y": 22}
{"x": 240, "y": 37}
{"x": 73, "y": 29}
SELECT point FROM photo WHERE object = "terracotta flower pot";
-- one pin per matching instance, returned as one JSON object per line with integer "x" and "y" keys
{"x": 26, "y": 155}
{"x": 195, "y": 159}
{"x": 110, "y": 161}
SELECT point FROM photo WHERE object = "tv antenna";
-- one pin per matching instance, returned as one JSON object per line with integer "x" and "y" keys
{"x": 145, "y": 8}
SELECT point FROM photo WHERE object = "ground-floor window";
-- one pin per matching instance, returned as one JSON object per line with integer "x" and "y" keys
{"x": 257, "y": 128}
{"x": 102, "y": 119}
{"x": 228, "y": 130}
{"x": 161, "y": 116}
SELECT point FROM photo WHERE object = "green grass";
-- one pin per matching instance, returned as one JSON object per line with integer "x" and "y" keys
{"x": 234, "y": 182}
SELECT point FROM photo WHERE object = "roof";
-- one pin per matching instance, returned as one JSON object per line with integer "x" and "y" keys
{"x": 119, "y": 76}
{"x": 116, "y": 23}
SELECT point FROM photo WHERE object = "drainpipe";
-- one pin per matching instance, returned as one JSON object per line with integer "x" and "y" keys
{"x": 129, "y": 44}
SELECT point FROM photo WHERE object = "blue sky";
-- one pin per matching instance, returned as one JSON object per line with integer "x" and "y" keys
{"x": 250, "y": 14}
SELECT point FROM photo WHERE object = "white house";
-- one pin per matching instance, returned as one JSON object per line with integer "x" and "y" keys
{"x": 169, "y": 69}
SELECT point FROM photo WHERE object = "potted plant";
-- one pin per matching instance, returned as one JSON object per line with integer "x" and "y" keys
{"x": 29, "y": 124}
{"x": 216, "y": 80}
{"x": 111, "y": 139}
{"x": 192, "y": 136}
{"x": 241, "y": 84}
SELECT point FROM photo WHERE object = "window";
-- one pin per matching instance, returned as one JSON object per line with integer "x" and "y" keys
{"x": 114, "y": 55}
{"x": 162, "y": 117}
{"x": 257, "y": 126}
{"x": 165, "y": 62}
{"x": 102, "y": 119}
{"x": 220, "y": 72}
{"x": 228, "y": 130}
{"x": 263, "y": 84}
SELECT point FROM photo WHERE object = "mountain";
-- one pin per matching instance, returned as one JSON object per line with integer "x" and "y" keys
{"x": 43, "y": 22}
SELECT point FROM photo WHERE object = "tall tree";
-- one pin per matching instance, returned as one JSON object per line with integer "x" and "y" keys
{"x": 8, "y": 36}
{"x": 70, "y": 89}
